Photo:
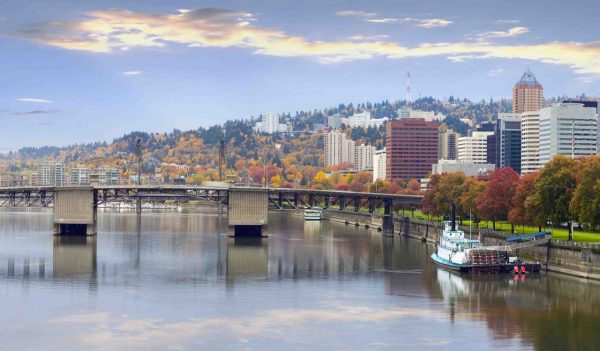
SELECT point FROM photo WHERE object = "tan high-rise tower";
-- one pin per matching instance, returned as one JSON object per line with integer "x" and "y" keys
{"x": 528, "y": 94}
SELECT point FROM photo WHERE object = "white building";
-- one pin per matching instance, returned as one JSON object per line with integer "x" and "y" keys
{"x": 363, "y": 159}
{"x": 473, "y": 148}
{"x": 338, "y": 149}
{"x": 379, "y": 165}
{"x": 426, "y": 115}
{"x": 107, "y": 175}
{"x": 349, "y": 152}
{"x": 269, "y": 124}
{"x": 470, "y": 169}
{"x": 569, "y": 129}
{"x": 530, "y": 141}
{"x": 80, "y": 176}
{"x": 51, "y": 174}
{"x": 334, "y": 121}
{"x": 363, "y": 120}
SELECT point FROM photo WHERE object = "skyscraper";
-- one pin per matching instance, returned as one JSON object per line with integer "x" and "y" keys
{"x": 569, "y": 129}
{"x": 528, "y": 94}
{"x": 411, "y": 148}
{"x": 447, "y": 143}
{"x": 333, "y": 147}
{"x": 530, "y": 141}
{"x": 474, "y": 148}
{"x": 379, "y": 165}
{"x": 505, "y": 148}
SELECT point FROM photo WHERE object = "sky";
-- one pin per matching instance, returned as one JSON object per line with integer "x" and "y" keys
{"x": 82, "y": 71}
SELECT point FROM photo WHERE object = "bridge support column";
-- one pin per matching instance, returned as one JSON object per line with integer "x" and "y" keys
{"x": 75, "y": 211}
{"x": 247, "y": 211}
{"x": 388, "y": 218}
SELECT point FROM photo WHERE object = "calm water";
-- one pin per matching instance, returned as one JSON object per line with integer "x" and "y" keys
{"x": 177, "y": 282}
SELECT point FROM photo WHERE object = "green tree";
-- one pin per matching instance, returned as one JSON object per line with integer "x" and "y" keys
{"x": 554, "y": 190}
{"x": 585, "y": 205}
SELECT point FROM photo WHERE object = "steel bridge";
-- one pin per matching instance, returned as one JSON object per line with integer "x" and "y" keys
{"x": 281, "y": 198}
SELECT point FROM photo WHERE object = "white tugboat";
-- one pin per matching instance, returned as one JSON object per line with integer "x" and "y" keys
{"x": 313, "y": 214}
{"x": 454, "y": 251}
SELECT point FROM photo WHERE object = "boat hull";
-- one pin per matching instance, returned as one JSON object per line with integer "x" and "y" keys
{"x": 482, "y": 269}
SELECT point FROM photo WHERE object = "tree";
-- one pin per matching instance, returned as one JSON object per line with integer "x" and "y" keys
{"x": 585, "y": 205}
{"x": 494, "y": 203}
{"x": 523, "y": 206}
{"x": 554, "y": 190}
{"x": 443, "y": 190}
{"x": 470, "y": 190}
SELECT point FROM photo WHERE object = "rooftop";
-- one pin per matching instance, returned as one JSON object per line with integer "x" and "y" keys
{"x": 528, "y": 78}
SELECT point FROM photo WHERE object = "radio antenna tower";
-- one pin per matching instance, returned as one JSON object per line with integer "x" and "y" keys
{"x": 408, "y": 93}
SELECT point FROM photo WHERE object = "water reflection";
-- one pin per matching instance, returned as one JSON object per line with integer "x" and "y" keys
{"x": 304, "y": 284}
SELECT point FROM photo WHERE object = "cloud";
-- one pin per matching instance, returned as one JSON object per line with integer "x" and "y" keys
{"x": 132, "y": 73}
{"x": 36, "y": 100}
{"x": 495, "y": 72}
{"x": 507, "y": 21}
{"x": 352, "y": 13}
{"x": 108, "y": 31}
{"x": 34, "y": 112}
{"x": 423, "y": 23}
{"x": 511, "y": 32}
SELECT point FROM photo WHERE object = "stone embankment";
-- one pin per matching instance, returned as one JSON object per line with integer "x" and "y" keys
{"x": 573, "y": 258}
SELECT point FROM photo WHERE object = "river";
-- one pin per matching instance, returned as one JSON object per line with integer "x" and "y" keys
{"x": 176, "y": 281}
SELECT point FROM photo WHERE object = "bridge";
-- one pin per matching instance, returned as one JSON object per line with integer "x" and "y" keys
{"x": 75, "y": 208}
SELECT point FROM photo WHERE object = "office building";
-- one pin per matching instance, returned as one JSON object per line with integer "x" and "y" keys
{"x": 504, "y": 146}
{"x": 567, "y": 128}
{"x": 334, "y": 121}
{"x": 530, "y": 141}
{"x": 528, "y": 94}
{"x": 379, "y": 165}
{"x": 595, "y": 105}
{"x": 470, "y": 169}
{"x": 411, "y": 148}
{"x": 447, "y": 143}
{"x": 363, "y": 120}
{"x": 79, "y": 176}
{"x": 269, "y": 124}
{"x": 473, "y": 148}
{"x": 51, "y": 173}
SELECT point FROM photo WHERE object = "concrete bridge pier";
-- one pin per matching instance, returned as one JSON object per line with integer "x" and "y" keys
{"x": 75, "y": 211}
{"x": 247, "y": 211}
{"x": 388, "y": 218}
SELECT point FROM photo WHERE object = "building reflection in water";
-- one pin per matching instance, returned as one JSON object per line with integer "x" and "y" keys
{"x": 246, "y": 258}
{"x": 74, "y": 257}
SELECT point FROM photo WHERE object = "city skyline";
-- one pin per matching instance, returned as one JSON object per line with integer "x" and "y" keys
{"x": 102, "y": 69}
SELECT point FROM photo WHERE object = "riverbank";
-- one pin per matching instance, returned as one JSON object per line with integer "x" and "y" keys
{"x": 572, "y": 258}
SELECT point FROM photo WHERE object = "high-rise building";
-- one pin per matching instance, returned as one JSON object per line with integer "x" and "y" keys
{"x": 51, "y": 174}
{"x": 333, "y": 147}
{"x": 379, "y": 165}
{"x": 107, "y": 175}
{"x": 334, "y": 121}
{"x": 473, "y": 148}
{"x": 349, "y": 152}
{"x": 79, "y": 176}
{"x": 363, "y": 159}
{"x": 596, "y": 106}
{"x": 411, "y": 148}
{"x": 569, "y": 129}
{"x": 504, "y": 146}
{"x": 528, "y": 94}
{"x": 447, "y": 143}
{"x": 530, "y": 141}
{"x": 269, "y": 124}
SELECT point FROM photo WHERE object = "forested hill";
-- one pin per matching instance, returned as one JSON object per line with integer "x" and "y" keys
{"x": 199, "y": 147}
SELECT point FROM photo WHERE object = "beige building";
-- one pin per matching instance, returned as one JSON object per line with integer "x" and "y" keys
{"x": 473, "y": 148}
{"x": 447, "y": 144}
{"x": 530, "y": 141}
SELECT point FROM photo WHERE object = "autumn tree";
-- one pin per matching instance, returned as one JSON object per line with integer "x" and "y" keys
{"x": 443, "y": 190}
{"x": 523, "y": 205}
{"x": 494, "y": 203}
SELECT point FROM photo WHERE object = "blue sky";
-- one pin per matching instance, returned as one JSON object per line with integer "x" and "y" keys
{"x": 75, "y": 71}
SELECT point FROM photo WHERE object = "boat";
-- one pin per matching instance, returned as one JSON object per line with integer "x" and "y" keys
{"x": 455, "y": 252}
{"x": 313, "y": 214}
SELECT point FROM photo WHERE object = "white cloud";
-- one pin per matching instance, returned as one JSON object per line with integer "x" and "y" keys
{"x": 132, "y": 73}
{"x": 107, "y": 31}
{"x": 433, "y": 23}
{"x": 353, "y": 13}
{"x": 36, "y": 100}
{"x": 427, "y": 23}
{"x": 507, "y": 21}
{"x": 511, "y": 32}
{"x": 495, "y": 72}
{"x": 384, "y": 20}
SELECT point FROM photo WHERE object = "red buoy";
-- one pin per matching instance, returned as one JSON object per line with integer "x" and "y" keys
{"x": 516, "y": 269}
{"x": 523, "y": 269}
